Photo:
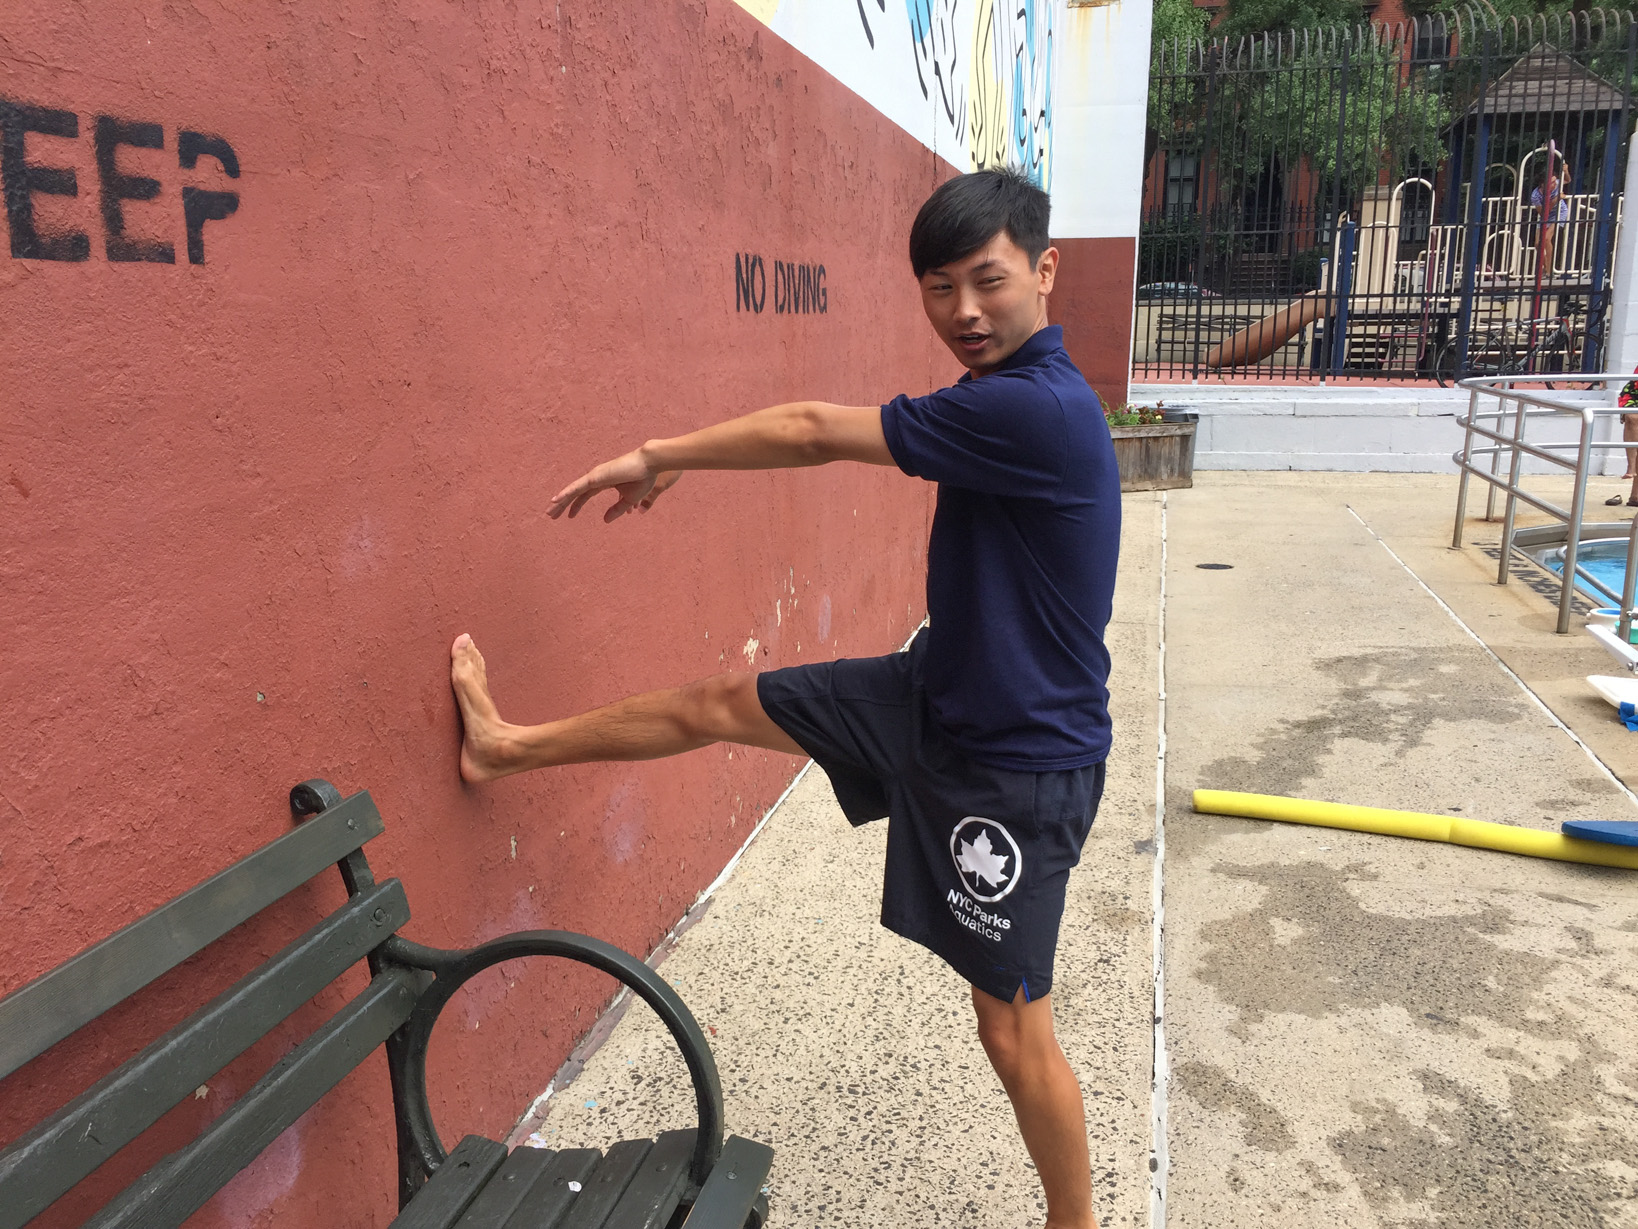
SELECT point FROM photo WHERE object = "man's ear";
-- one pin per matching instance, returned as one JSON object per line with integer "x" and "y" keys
{"x": 1047, "y": 269}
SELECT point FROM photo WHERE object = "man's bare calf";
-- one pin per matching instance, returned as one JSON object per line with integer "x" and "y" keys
{"x": 723, "y": 708}
{"x": 1046, "y": 1097}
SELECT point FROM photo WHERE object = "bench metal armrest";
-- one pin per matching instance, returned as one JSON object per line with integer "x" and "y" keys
{"x": 452, "y": 969}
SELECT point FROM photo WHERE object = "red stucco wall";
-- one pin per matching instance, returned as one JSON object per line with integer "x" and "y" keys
{"x": 1092, "y": 299}
{"x": 245, "y": 504}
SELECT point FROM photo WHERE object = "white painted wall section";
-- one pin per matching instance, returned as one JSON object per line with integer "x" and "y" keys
{"x": 991, "y": 82}
{"x": 1352, "y": 428}
{"x": 1623, "y": 347}
{"x": 1103, "y": 97}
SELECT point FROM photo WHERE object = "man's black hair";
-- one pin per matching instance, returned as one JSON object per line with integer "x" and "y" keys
{"x": 968, "y": 211}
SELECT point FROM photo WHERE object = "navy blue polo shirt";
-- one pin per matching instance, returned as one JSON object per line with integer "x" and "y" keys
{"x": 1021, "y": 564}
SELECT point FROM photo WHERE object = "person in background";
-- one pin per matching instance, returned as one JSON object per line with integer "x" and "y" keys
{"x": 1555, "y": 189}
{"x": 1628, "y": 399}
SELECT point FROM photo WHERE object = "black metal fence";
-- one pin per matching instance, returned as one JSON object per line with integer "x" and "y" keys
{"x": 1413, "y": 202}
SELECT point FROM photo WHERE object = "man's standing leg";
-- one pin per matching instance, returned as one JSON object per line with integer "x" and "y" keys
{"x": 723, "y": 708}
{"x": 1046, "y": 1097}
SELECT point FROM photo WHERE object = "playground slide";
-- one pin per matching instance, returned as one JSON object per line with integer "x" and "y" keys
{"x": 1268, "y": 334}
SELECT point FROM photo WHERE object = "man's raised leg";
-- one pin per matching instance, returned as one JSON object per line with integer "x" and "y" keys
{"x": 1046, "y": 1098}
{"x": 723, "y": 708}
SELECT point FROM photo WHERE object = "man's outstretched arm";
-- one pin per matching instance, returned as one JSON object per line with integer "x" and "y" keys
{"x": 784, "y": 437}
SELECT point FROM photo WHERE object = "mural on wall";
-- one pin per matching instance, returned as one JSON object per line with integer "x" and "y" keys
{"x": 971, "y": 79}
{"x": 1011, "y": 105}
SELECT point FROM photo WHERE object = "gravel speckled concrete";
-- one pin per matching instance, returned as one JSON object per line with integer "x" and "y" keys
{"x": 1363, "y": 1031}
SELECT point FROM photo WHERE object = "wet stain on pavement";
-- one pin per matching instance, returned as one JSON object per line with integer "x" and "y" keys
{"x": 1554, "y": 1152}
{"x": 1208, "y": 1085}
{"x": 1568, "y": 900}
{"x": 1546, "y": 1158}
{"x": 1390, "y": 697}
{"x": 1310, "y": 948}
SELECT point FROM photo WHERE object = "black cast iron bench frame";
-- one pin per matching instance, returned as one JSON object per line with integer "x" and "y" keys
{"x": 690, "y": 1176}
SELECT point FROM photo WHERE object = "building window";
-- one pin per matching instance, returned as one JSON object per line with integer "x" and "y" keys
{"x": 1430, "y": 44}
{"x": 1182, "y": 184}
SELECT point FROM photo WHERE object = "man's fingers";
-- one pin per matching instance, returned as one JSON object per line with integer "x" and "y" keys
{"x": 625, "y": 475}
{"x": 569, "y": 492}
{"x": 662, "y": 484}
{"x": 571, "y": 497}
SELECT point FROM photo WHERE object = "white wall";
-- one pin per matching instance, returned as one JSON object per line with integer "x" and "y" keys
{"x": 973, "y": 80}
{"x": 1103, "y": 97}
{"x": 1623, "y": 334}
{"x": 1351, "y": 428}
{"x": 944, "y": 71}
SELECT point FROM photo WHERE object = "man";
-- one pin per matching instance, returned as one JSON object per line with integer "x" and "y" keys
{"x": 985, "y": 741}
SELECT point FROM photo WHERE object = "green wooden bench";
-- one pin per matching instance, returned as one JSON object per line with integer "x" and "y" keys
{"x": 685, "y": 1177}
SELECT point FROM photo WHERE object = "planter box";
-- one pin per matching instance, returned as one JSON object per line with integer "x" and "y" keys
{"x": 1157, "y": 458}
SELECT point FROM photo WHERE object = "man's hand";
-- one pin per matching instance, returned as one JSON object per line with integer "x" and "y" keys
{"x": 662, "y": 483}
{"x": 630, "y": 475}
{"x": 789, "y": 436}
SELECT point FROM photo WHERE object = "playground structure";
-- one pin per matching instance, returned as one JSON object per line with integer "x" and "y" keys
{"x": 1400, "y": 314}
{"x": 1369, "y": 203}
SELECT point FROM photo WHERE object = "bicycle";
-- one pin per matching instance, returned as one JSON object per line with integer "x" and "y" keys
{"x": 1507, "y": 350}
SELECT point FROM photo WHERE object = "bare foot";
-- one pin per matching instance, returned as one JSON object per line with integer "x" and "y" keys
{"x": 486, "y": 750}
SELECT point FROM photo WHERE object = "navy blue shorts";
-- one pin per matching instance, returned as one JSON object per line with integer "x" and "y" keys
{"x": 977, "y": 857}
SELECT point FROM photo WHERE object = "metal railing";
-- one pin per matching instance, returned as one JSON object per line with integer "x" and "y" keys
{"x": 1508, "y": 446}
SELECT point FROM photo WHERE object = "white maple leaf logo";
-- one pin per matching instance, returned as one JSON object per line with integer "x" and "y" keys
{"x": 980, "y": 859}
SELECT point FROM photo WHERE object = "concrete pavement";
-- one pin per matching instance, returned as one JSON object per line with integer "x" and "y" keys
{"x": 1371, "y": 1031}
{"x": 1362, "y": 1030}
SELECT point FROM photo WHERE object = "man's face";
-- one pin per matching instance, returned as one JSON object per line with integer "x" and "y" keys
{"x": 988, "y": 303}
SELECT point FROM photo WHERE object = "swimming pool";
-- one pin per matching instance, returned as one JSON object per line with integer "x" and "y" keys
{"x": 1601, "y": 554}
{"x": 1605, "y": 561}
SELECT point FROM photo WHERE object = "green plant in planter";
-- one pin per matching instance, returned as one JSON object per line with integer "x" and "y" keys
{"x": 1128, "y": 415}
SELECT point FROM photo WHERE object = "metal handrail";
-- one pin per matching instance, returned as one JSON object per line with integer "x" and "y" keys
{"x": 1529, "y": 405}
{"x": 1623, "y": 627}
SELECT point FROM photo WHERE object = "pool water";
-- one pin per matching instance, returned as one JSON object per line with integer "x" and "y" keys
{"x": 1607, "y": 561}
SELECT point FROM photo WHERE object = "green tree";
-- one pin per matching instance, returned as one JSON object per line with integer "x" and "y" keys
{"x": 1504, "y": 9}
{"x": 1245, "y": 17}
{"x": 1178, "y": 20}
{"x": 1177, "y": 24}
{"x": 1387, "y": 130}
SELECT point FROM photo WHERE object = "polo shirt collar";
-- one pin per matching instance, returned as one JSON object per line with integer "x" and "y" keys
{"x": 1034, "y": 350}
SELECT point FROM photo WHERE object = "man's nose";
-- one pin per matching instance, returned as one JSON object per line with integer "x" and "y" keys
{"x": 966, "y": 306}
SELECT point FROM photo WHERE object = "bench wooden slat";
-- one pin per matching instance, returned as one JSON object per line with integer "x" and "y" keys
{"x": 40, "y": 1167}
{"x": 725, "y": 1200}
{"x": 657, "y": 1187}
{"x": 179, "y": 1186}
{"x": 507, "y": 1189}
{"x": 550, "y": 1198}
{"x": 453, "y": 1186}
{"x": 39, "y": 1015}
{"x": 619, "y": 1165}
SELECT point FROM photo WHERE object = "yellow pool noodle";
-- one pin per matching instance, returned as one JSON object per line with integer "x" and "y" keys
{"x": 1452, "y": 829}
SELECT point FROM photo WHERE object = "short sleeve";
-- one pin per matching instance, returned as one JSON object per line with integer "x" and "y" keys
{"x": 1001, "y": 434}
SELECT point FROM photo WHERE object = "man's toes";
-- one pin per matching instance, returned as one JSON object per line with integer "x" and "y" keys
{"x": 466, "y": 659}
